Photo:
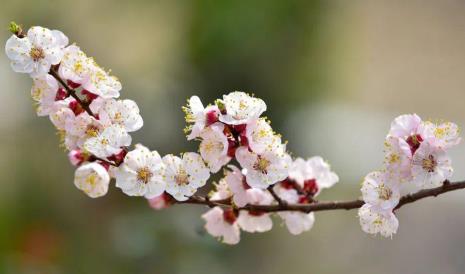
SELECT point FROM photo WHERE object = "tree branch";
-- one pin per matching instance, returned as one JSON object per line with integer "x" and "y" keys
{"x": 330, "y": 205}
{"x": 71, "y": 92}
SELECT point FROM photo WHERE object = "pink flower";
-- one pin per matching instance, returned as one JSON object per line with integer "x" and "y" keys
{"x": 223, "y": 225}
{"x": 160, "y": 202}
{"x": 256, "y": 221}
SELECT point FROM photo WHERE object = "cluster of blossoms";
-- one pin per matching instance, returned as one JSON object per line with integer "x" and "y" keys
{"x": 415, "y": 159}
{"x": 81, "y": 100}
{"x": 233, "y": 129}
{"x": 260, "y": 177}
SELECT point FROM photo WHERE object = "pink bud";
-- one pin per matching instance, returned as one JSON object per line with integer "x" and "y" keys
{"x": 212, "y": 117}
{"x": 160, "y": 202}
{"x": 76, "y": 157}
{"x": 310, "y": 186}
{"x": 61, "y": 94}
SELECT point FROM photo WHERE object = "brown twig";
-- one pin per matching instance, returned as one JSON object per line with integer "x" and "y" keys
{"x": 276, "y": 197}
{"x": 330, "y": 205}
{"x": 71, "y": 92}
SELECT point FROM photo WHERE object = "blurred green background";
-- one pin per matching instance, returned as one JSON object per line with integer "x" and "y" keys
{"x": 333, "y": 73}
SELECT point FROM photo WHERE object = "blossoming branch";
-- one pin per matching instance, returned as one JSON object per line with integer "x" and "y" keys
{"x": 260, "y": 177}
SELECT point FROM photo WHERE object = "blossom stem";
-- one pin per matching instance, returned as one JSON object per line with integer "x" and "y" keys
{"x": 71, "y": 92}
{"x": 330, "y": 205}
{"x": 276, "y": 197}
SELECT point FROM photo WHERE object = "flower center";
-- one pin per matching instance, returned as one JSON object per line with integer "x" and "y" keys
{"x": 310, "y": 186}
{"x": 414, "y": 142}
{"x": 261, "y": 165}
{"x": 229, "y": 216}
{"x": 144, "y": 175}
{"x": 384, "y": 193}
{"x": 394, "y": 158}
{"x": 91, "y": 179}
{"x": 104, "y": 141}
{"x": 211, "y": 146}
{"x": 429, "y": 164}
{"x": 118, "y": 117}
{"x": 37, "y": 54}
{"x": 78, "y": 67}
{"x": 242, "y": 105}
{"x": 181, "y": 178}
{"x": 441, "y": 132}
{"x": 92, "y": 131}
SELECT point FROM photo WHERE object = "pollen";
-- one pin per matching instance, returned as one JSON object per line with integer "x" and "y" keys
{"x": 118, "y": 116}
{"x": 440, "y": 132}
{"x": 384, "y": 192}
{"x": 262, "y": 165}
{"x": 37, "y": 54}
{"x": 242, "y": 105}
{"x": 37, "y": 94}
{"x": 429, "y": 164}
{"x": 144, "y": 175}
{"x": 181, "y": 178}
{"x": 91, "y": 179}
{"x": 393, "y": 158}
{"x": 78, "y": 67}
{"x": 92, "y": 131}
{"x": 262, "y": 133}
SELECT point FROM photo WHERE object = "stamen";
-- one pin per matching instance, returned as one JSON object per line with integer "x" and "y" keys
{"x": 144, "y": 175}
{"x": 37, "y": 54}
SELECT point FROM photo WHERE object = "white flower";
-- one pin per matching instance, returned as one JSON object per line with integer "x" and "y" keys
{"x": 405, "y": 126}
{"x": 445, "y": 135}
{"x": 398, "y": 158}
{"x": 108, "y": 142}
{"x": 184, "y": 176}
{"x": 264, "y": 169}
{"x": 214, "y": 147}
{"x": 313, "y": 174}
{"x": 222, "y": 224}
{"x": 241, "y": 108}
{"x": 75, "y": 66}
{"x": 121, "y": 112}
{"x": 238, "y": 186}
{"x": 431, "y": 166}
{"x": 44, "y": 92}
{"x": 380, "y": 190}
{"x": 260, "y": 136}
{"x": 412, "y": 129}
{"x": 141, "y": 174}
{"x": 374, "y": 220}
{"x": 296, "y": 222}
{"x": 289, "y": 195}
{"x": 100, "y": 83}
{"x": 200, "y": 117}
{"x": 83, "y": 127}
{"x": 37, "y": 52}
{"x": 252, "y": 221}
{"x": 80, "y": 69}
{"x": 60, "y": 117}
{"x": 93, "y": 179}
